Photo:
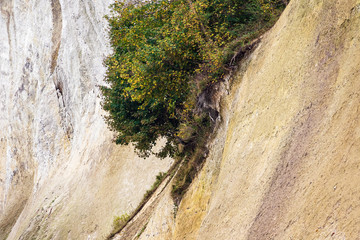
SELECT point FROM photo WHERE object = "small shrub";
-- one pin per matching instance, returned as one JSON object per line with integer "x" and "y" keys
{"x": 120, "y": 221}
{"x": 159, "y": 178}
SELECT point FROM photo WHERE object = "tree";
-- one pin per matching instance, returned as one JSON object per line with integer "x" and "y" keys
{"x": 148, "y": 74}
{"x": 158, "y": 48}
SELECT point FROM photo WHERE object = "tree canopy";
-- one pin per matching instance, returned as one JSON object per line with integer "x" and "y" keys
{"x": 158, "y": 49}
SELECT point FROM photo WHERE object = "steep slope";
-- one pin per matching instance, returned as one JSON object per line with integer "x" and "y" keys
{"x": 60, "y": 175}
{"x": 285, "y": 161}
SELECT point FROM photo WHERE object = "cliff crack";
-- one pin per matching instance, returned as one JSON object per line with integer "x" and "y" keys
{"x": 59, "y": 84}
{"x": 6, "y": 11}
{"x": 56, "y": 35}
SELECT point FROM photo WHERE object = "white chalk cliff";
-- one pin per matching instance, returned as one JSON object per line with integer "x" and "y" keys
{"x": 283, "y": 164}
{"x": 60, "y": 175}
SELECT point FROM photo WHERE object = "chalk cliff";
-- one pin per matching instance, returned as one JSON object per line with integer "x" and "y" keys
{"x": 60, "y": 175}
{"x": 284, "y": 162}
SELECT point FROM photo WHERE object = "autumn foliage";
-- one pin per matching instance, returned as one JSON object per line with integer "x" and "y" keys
{"x": 158, "y": 49}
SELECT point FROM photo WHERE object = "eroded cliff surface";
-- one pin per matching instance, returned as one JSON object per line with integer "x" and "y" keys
{"x": 60, "y": 175}
{"x": 285, "y": 161}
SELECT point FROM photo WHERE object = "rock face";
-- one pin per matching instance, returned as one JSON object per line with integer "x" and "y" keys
{"x": 285, "y": 162}
{"x": 60, "y": 175}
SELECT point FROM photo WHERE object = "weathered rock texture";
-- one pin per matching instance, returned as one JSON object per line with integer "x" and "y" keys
{"x": 285, "y": 163}
{"x": 60, "y": 175}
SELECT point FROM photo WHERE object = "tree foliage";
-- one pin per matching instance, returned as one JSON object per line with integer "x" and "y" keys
{"x": 158, "y": 48}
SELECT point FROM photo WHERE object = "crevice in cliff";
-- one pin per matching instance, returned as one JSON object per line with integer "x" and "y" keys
{"x": 6, "y": 11}
{"x": 208, "y": 102}
{"x": 243, "y": 52}
{"x": 65, "y": 118}
{"x": 56, "y": 34}
{"x": 59, "y": 84}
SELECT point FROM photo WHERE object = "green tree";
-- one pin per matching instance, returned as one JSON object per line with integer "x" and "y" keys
{"x": 159, "y": 47}
{"x": 148, "y": 73}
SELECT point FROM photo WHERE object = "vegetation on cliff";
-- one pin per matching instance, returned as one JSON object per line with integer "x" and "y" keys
{"x": 164, "y": 54}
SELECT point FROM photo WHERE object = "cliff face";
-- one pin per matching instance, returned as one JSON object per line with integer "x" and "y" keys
{"x": 60, "y": 175}
{"x": 285, "y": 161}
